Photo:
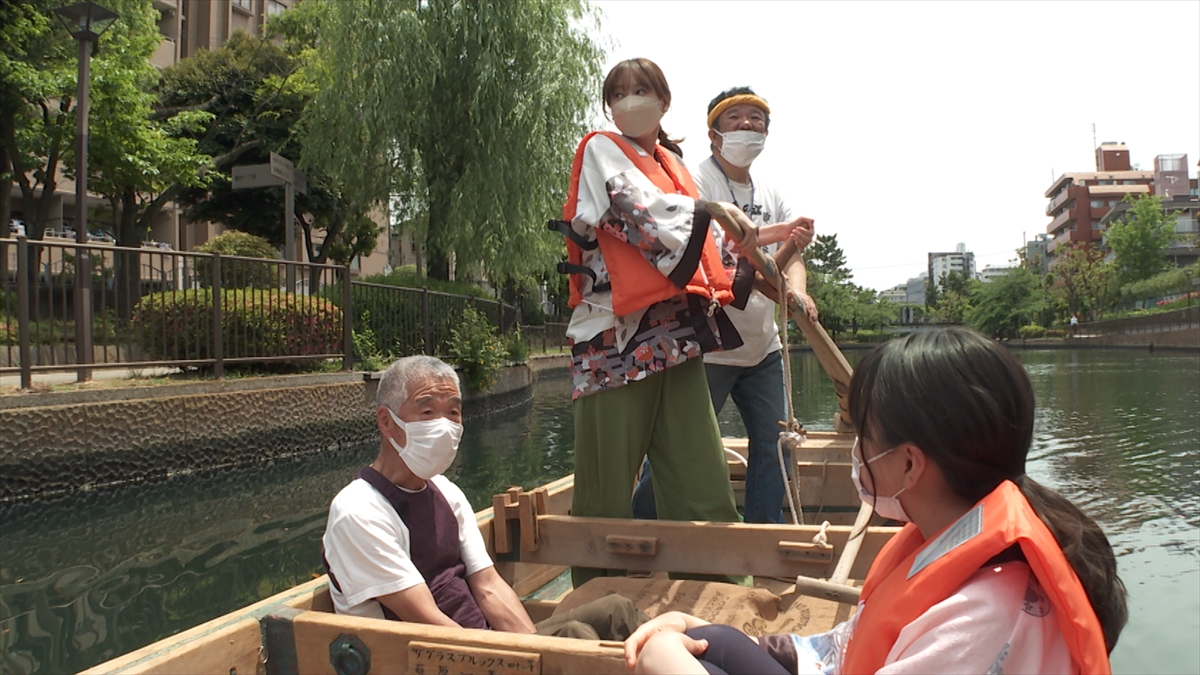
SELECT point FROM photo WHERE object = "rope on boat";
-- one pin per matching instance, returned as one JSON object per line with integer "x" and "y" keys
{"x": 821, "y": 537}
{"x": 792, "y": 433}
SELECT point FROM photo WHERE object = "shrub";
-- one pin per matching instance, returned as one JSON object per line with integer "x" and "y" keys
{"x": 518, "y": 349}
{"x": 241, "y": 273}
{"x": 477, "y": 350}
{"x": 178, "y": 324}
{"x": 1032, "y": 332}
{"x": 367, "y": 354}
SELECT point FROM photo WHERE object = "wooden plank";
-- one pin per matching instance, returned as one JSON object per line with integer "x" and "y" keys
{"x": 441, "y": 657}
{"x": 527, "y": 517}
{"x": 389, "y": 642}
{"x": 532, "y": 577}
{"x": 164, "y": 655}
{"x": 701, "y": 548}
{"x": 615, "y": 543}
{"x": 810, "y": 552}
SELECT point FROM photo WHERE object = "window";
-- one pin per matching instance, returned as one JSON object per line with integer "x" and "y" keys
{"x": 275, "y": 7}
{"x": 1106, "y": 182}
{"x": 244, "y": 5}
{"x": 1098, "y": 203}
{"x": 1129, "y": 182}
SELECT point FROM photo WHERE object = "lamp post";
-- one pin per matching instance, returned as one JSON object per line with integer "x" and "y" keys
{"x": 86, "y": 22}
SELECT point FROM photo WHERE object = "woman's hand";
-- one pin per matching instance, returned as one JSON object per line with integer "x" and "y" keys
{"x": 672, "y": 653}
{"x": 671, "y": 622}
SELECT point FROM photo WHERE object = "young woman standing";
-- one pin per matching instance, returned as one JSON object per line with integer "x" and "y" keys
{"x": 647, "y": 288}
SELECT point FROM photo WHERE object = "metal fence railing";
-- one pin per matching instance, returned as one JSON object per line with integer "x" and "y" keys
{"x": 550, "y": 337}
{"x": 1152, "y": 323}
{"x": 418, "y": 320}
{"x": 78, "y": 307}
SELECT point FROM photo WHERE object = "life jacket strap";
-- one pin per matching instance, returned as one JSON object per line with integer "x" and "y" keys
{"x": 564, "y": 228}
{"x": 568, "y": 268}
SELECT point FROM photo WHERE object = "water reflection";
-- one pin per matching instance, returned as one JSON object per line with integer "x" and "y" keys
{"x": 90, "y": 577}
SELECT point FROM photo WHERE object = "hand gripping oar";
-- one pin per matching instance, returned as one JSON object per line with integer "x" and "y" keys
{"x": 734, "y": 222}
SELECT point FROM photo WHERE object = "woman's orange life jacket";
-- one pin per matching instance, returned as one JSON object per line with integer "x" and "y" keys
{"x": 910, "y": 576}
{"x": 636, "y": 284}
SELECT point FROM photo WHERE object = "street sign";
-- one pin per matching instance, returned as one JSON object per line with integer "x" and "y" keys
{"x": 282, "y": 168}
{"x": 254, "y": 176}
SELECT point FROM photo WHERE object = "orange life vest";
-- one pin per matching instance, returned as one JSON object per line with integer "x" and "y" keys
{"x": 636, "y": 283}
{"x": 904, "y": 583}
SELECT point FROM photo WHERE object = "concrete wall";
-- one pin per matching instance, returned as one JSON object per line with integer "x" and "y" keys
{"x": 56, "y": 443}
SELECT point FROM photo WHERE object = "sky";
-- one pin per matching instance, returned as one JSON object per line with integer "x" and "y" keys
{"x": 910, "y": 127}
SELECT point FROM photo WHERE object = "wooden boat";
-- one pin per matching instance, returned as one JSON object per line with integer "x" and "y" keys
{"x": 805, "y": 576}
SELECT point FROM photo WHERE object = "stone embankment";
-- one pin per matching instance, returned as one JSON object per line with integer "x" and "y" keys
{"x": 60, "y": 442}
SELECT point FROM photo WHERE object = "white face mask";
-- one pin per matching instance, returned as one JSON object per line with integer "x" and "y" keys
{"x": 637, "y": 116}
{"x": 432, "y": 444}
{"x": 886, "y": 507}
{"x": 740, "y": 148}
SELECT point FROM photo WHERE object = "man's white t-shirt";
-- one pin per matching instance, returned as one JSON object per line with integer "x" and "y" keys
{"x": 368, "y": 548}
{"x": 756, "y": 323}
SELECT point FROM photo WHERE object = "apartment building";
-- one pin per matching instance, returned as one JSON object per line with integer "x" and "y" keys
{"x": 1181, "y": 202}
{"x": 1079, "y": 200}
{"x": 959, "y": 260}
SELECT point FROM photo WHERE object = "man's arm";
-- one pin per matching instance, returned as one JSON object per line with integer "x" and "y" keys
{"x": 777, "y": 232}
{"x": 500, "y": 604}
{"x": 416, "y": 604}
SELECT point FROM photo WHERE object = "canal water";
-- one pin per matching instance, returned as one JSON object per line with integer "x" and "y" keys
{"x": 87, "y": 578}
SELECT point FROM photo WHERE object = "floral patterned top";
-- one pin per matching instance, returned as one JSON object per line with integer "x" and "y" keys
{"x": 608, "y": 351}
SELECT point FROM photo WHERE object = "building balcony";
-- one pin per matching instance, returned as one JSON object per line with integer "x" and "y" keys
{"x": 166, "y": 6}
{"x": 164, "y": 55}
{"x": 1062, "y": 220}
{"x": 1065, "y": 197}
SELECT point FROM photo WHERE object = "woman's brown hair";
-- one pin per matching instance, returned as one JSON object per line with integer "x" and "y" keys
{"x": 968, "y": 404}
{"x": 648, "y": 73}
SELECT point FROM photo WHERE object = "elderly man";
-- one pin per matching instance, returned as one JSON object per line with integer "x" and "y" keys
{"x": 401, "y": 541}
{"x": 752, "y": 374}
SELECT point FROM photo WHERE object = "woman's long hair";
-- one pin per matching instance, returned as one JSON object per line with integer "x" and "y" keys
{"x": 968, "y": 404}
{"x": 648, "y": 73}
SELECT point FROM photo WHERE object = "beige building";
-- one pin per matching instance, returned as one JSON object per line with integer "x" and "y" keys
{"x": 188, "y": 26}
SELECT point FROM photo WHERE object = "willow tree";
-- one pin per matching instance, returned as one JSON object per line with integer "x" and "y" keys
{"x": 463, "y": 114}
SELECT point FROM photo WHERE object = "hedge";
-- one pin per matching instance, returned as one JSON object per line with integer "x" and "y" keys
{"x": 255, "y": 323}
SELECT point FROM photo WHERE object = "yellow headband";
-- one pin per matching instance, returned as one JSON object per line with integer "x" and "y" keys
{"x": 740, "y": 99}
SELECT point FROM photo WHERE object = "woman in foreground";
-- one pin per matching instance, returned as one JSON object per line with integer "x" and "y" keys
{"x": 993, "y": 572}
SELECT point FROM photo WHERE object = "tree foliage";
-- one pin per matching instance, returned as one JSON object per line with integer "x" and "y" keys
{"x": 825, "y": 256}
{"x": 257, "y": 91}
{"x": 467, "y": 112}
{"x": 1139, "y": 239}
{"x": 1011, "y": 300}
{"x": 1085, "y": 281}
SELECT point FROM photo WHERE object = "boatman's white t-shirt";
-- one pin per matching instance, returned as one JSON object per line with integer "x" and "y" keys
{"x": 368, "y": 548}
{"x": 756, "y": 323}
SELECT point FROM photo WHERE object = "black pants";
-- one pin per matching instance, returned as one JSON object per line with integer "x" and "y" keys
{"x": 732, "y": 652}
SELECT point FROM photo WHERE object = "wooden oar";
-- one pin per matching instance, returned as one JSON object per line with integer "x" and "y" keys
{"x": 835, "y": 588}
{"x": 733, "y": 221}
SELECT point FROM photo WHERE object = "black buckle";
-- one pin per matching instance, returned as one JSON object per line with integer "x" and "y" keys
{"x": 564, "y": 228}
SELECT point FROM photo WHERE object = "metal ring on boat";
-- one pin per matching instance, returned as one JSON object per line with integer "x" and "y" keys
{"x": 349, "y": 656}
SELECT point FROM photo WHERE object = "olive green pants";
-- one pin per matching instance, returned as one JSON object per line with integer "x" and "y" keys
{"x": 612, "y": 617}
{"x": 668, "y": 417}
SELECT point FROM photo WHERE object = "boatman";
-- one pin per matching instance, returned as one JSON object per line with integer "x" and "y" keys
{"x": 401, "y": 540}
{"x": 752, "y": 374}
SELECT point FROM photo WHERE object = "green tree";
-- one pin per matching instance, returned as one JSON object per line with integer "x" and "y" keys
{"x": 825, "y": 256}
{"x": 466, "y": 111}
{"x": 1005, "y": 304}
{"x": 1139, "y": 239}
{"x": 258, "y": 90}
{"x": 37, "y": 93}
{"x": 1083, "y": 280}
